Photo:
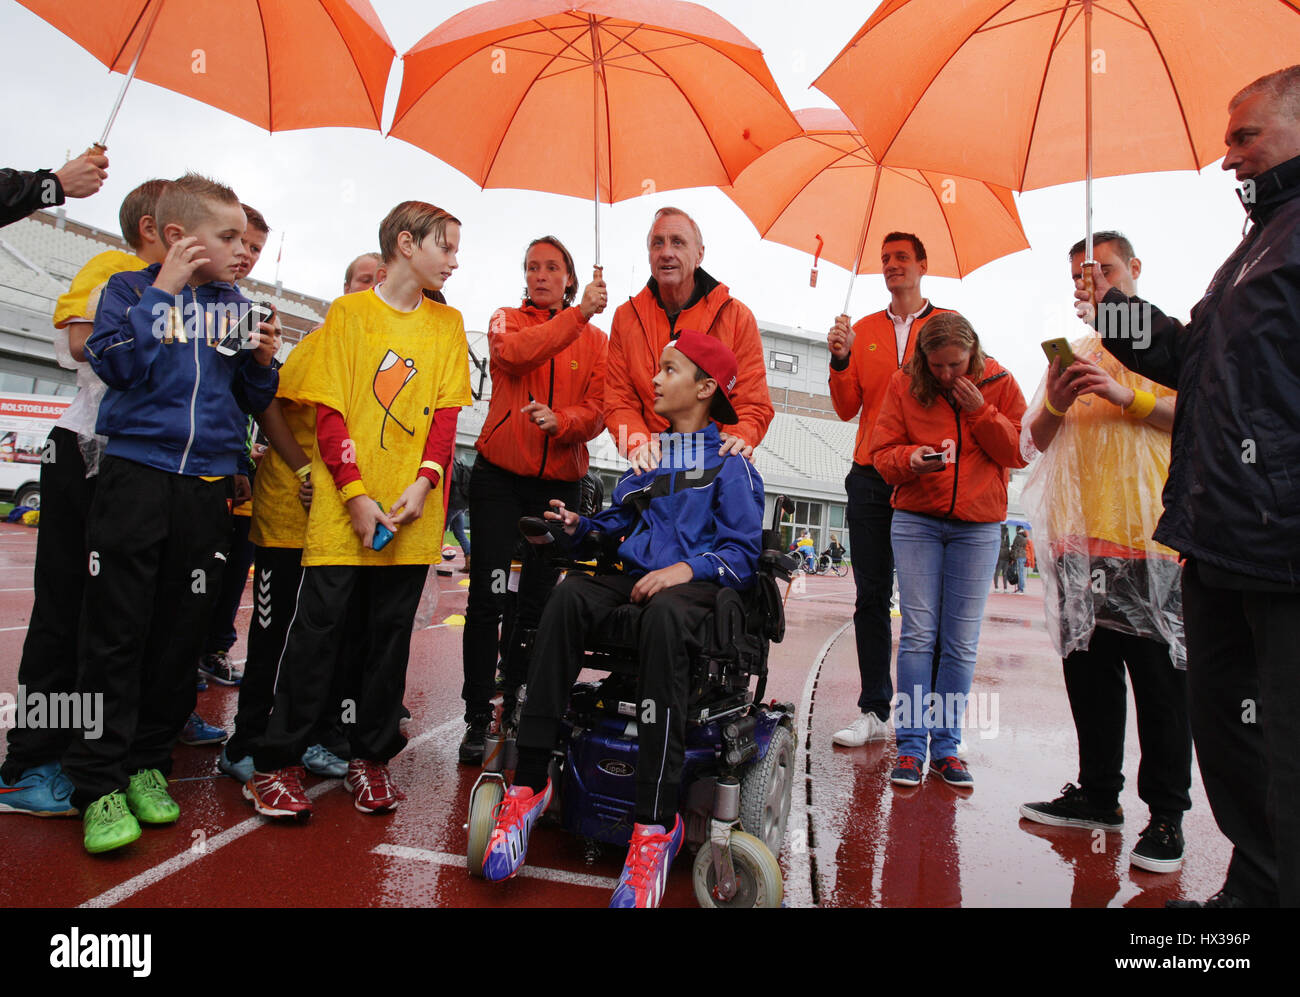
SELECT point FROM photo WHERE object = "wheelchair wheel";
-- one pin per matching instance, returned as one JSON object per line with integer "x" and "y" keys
{"x": 765, "y": 791}
{"x": 840, "y": 569}
{"x": 482, "y": 819}
{"x": 758, "y": 874}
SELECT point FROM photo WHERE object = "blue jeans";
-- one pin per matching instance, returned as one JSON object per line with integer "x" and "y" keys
{"x": 943, "y": 570}
{"x": 1020, "y": 575}
{"x": 456, "y": 523}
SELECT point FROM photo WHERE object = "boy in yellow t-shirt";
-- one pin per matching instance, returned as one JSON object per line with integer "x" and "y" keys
{"x": 389, "y": 375}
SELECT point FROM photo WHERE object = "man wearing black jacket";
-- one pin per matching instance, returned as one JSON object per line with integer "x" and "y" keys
{"x": 21, "y": 192}
{"x": 1232, "y": 500}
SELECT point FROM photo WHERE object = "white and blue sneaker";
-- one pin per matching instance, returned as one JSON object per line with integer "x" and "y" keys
{"x": 319, "y": 760}
{"x": 241, "y": 770}
{"x": 650, "y": 855}
{"x": 41, "y": 791}
{"x": 516, "y": 815}
{"x": 198, "y": 732}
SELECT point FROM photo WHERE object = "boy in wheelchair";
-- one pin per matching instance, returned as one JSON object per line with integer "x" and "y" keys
{"x": 690, "y": 525}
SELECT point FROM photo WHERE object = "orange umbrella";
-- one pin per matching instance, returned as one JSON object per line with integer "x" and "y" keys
{"x": 824, "y": 190}
{"x": 608, "y": 99}
{"x": 1003, "y": 90}
{"x": 280, "y": 64}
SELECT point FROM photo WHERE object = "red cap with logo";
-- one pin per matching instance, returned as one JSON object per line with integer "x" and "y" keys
{"x": 715, "y": 358}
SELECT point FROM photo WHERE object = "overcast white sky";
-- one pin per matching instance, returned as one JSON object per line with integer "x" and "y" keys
{"x": 327, "y": 190}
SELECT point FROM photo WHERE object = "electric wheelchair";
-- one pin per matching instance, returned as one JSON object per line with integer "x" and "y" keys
{"x": 738, "y": 766}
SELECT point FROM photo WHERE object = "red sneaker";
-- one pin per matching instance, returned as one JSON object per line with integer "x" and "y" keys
{"x": 371, "y": 787}
{"x": 279, "y": 794}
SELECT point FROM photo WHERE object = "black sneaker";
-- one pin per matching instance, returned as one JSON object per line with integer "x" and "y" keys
{"x": 1221, "y": 899}
{"x": 471, "y": 745}
{"x": 1159, "y": 847}
{"x": 1073, "y": 809}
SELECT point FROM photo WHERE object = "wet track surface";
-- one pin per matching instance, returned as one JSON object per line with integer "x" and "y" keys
{"x": 852, "y": 840}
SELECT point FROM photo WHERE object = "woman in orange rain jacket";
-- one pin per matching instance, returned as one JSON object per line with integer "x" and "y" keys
{"x": 548, "y": 391}
{"x": 947, "y": 432}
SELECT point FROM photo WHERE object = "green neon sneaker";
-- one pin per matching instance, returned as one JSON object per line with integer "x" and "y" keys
{"x": 147, "y": 797}
{"x": 109, "y": 824}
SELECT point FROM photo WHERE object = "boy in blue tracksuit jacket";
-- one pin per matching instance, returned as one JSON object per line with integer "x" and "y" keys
{"x": 688, "y": 526}
{"x": 157, "y": 529}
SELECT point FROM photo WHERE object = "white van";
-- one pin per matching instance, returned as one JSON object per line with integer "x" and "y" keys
{"x": 25, "y": 422}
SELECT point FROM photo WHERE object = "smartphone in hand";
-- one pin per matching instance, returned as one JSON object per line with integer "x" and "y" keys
{"x": 382, "y": 533}
{"x": 238, "y": 334}
{"x": 1059, "y": 349}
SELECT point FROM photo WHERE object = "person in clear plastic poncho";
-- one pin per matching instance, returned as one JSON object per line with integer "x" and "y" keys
{"x": 1099, "y": 438}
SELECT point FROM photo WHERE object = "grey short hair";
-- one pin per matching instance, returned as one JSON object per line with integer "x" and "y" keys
{"x": 674, "y": 211}
{"x": 1282, "y": 86}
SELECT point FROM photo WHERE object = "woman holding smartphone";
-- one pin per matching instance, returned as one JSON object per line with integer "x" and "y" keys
{"x": 548, "y": 392}
{"x": 947, "y": 433}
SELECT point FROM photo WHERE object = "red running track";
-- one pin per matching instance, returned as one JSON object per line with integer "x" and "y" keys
{"x": 853, "y": 840}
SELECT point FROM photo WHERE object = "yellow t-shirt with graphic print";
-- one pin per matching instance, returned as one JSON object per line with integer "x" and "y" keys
{"x": 279, "y": 520}
{"x": 386, "y": 372}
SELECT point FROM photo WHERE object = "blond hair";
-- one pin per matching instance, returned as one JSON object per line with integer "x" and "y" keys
{"x": 417, "y": 217}
{"x": 189, "y": 202}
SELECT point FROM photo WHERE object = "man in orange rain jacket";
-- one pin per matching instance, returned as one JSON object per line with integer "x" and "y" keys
{"x": 678, "y": 296}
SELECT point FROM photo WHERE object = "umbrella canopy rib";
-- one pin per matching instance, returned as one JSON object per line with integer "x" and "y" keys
{"x": 566, "y": 44}
{"x": 356, "y": 69}
{"x": 1038, "y": 104}
{"x": 266, "y": 52}
{"x": 134, "y": 24}
{"x": 1182, "y": 111}
{"x": 883, "y": 153}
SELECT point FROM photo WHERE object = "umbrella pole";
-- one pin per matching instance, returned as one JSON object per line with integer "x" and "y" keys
{"x": 862, "y": 238}
{"x": 597, "y": 70}
{"x": 1087, "y": 118}
{"x": 102, "y": 144}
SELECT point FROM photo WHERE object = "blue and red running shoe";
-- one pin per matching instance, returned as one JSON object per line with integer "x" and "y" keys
{"x": 516, "y": 815}
{"x": 650, "y": 855}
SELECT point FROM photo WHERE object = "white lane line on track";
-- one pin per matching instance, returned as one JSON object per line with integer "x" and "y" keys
{"x": 799, "y": 885}
{"x": 29, "y": 589}
{"x": 176, "y": 863}
{"x": 7, "y": 629}
{"x": 531, "y": 872}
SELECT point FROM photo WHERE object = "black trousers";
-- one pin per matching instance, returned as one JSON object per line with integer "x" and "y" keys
{"x": 1243, "y": 688}
{"x": 1094, "y": 680}
{"x": 497, "y": 501}
{"x": 276, "y": 578}
{"x": 221, "y": 627}
{"x": 869, "y": 516}
{"x": 156, "y": 549}
{"x": 49, "y": 661}
{"x": 307, "y": 673}
{"x": 672, "y": 632}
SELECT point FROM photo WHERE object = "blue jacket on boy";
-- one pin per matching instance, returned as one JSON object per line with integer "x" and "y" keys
{"x": 695, "y": 507}
{"x": 174, "y": 402}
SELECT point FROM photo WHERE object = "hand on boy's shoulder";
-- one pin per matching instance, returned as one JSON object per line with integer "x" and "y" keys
{"x": 736, "y": 445}
{"x": 655, "y": 582}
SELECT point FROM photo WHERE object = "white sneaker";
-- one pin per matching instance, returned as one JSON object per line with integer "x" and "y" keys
{"x": 962, "y": 750}
{"x": 868, "y": 727}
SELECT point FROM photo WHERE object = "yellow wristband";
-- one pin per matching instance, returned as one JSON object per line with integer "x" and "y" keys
{"x": 1144, "y": 403}
{"x": 351, "y": 490}
{"x": 303, "y": 472}
{"x": 432, "y": 465}
{"x": 1047, "y": 404}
